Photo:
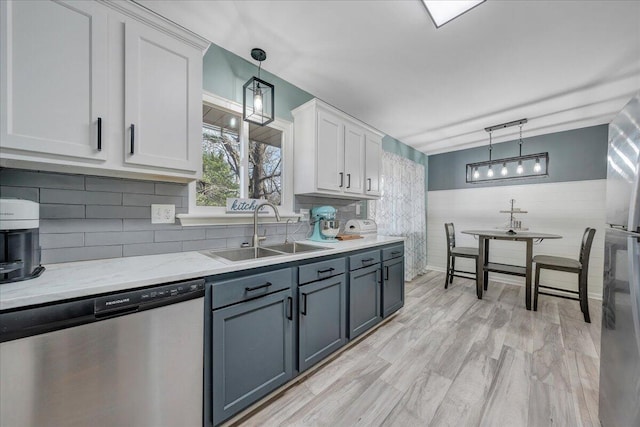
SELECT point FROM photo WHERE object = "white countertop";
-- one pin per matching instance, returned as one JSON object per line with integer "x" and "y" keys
{"x": 85, "y": 278}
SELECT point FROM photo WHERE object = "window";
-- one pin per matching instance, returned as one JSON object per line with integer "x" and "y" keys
{"x": 240, "y": 159}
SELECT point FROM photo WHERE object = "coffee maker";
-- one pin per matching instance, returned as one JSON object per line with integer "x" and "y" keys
{"x": 325, "y": 225}
{"x": 19, "y": 240}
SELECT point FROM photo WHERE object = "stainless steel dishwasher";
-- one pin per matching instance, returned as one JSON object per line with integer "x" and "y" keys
{"x": 126, "y": 359}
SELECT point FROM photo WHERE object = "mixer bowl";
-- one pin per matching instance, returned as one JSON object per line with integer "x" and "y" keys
{"x": 329, "y": 227}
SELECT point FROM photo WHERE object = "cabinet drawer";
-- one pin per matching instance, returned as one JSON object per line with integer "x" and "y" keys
{"x": 392, "y": 252}
{"x": 231, "y": 291}
{"x": 320, "y": 270}
{"x": 364, "y": 259}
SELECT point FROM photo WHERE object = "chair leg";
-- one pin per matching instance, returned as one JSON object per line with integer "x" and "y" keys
{"x": 453, "y": 267}
{"x": 446, "y": 278}
{"x": 486, "y": 282}
{"x": 584, "y": 300}
{"x": 535, "y": 288}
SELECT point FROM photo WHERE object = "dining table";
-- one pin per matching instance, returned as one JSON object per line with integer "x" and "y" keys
{"x": 484, "y": 266}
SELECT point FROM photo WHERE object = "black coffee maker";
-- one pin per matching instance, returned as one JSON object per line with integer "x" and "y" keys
{"x": 19, "y": 240}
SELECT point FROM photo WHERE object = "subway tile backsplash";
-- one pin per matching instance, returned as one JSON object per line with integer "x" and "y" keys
{"x": 89, "y": 217}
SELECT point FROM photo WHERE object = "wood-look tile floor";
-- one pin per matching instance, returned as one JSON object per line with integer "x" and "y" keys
{"x": 449, "y": 359}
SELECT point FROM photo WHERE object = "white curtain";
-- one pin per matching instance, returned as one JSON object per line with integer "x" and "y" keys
{"x": 401, "y": 210}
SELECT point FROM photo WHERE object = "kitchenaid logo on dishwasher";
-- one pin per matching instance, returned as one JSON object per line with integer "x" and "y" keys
{"x": 117, "y": 301}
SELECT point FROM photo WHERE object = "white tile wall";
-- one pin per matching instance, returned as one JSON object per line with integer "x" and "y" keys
{"x": 565, "y": 208}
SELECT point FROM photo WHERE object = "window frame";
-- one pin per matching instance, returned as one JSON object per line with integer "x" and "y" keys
{"x": 286, "y": 204}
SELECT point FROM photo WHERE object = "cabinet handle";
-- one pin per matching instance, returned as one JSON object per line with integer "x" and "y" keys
{"x": 396, "y": 252}
{"x": 303, "y": 311}
{"x": 386, "y": 272}
{"x": 365, "y": 260}
{"x": 133, "y": 137}
{"x": 328, "y": 270}
{"x": 255, "y": 288}
{"x": 289, "y": 308}
{"x": 369, "y": 181}
{"x": 99, "y": 133}
{"x": 348, "y": 180}
{"x": 341, "y": 179}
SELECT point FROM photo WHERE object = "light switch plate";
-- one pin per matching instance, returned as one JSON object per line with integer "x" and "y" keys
{"x": 163, "y": 214}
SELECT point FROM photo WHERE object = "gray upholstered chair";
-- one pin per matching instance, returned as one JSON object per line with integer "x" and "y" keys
{"x": 579, "y": 266}
{"x": 454, "y": 252}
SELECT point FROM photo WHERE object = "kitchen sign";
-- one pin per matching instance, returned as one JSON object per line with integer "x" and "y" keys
{"x": 236, "y": 205}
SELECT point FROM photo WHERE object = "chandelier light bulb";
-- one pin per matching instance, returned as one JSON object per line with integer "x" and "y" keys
{"x": 504, "y": 170}
{"x": 537, "y": 168}
{"x": 490, "y": 172}
{"x": 519, "y": 169}
{"x": 476, "y": 174}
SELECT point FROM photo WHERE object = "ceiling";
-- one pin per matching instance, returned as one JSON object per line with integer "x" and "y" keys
{"x": 561, "y": 64}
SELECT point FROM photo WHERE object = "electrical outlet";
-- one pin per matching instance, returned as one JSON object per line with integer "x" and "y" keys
{"x": 358, "y": 208}
{"x": 305, "y": 214}
{"x": 163, "y": 214}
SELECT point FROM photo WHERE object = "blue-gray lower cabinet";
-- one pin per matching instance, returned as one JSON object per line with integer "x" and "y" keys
{"x": 321, "y": 319}
{"x": 364, "y": 299}
{"x": 392, "y": 286}
{"x": 252, "y": 351}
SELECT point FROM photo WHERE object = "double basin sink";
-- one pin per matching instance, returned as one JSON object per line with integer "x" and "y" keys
{"x": 245, "y": 254}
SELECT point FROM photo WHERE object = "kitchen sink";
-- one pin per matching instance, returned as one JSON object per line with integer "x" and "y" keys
{"x": 242, "y": 254}
{"x": 294, "y": 247}
{"x": 246, "y": 254}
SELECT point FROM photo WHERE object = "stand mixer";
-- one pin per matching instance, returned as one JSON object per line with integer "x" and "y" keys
{"x": 325, "y": 226}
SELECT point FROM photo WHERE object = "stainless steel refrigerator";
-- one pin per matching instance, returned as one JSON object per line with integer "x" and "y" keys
{"x": 620, "y": 344}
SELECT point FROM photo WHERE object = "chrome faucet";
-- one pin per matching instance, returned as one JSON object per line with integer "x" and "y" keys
{"x": 256, "y": 238}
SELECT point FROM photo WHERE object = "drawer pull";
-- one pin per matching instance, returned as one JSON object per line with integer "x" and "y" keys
{"x": 328, "y": 270}
{"x": 367, "y": 260}
{"x": 396, "y": 252}
{"x": 255, "y": 288}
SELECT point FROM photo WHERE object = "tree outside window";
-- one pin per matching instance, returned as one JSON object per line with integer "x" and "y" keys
{"x": 224, "y": 165}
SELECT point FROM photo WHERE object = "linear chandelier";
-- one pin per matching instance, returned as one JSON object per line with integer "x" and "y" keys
{"x": 510, "y": 168}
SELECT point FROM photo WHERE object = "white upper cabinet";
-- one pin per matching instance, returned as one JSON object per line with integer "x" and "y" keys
{"x": 163, "y": 83}
{"x": 330, "y": 153}
{"x": 76, "y": 75}
{"x": 373, "y": 156}
{"x": 54, "y": 77}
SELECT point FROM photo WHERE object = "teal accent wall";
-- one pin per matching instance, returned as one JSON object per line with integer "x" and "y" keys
{"x": 574, "y": 155}
{"x": 224, "y": 73}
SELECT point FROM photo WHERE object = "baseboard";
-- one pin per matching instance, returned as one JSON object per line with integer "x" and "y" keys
{"x": 508, "y": 280}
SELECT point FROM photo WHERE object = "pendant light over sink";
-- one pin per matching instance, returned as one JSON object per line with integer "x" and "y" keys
{"x": 521, "y": 166}
{"x": 258, "y": 95}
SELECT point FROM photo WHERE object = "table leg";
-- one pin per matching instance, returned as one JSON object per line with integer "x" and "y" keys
{"x": 529, "y": 264}
{"x": 480, "y": 267}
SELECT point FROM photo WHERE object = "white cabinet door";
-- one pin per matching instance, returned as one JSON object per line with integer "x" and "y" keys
{"x": 373, "y": 154}
{"x": 163, "y": 86}
{"x": 330, "y": 152}
{"x": 54, "y": 77}
{"x": 353, "y": 158}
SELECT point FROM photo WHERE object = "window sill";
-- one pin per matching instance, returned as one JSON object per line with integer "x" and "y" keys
{"x": 192, "y": 220}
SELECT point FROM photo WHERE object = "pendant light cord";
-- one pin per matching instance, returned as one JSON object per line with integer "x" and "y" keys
{"x": 490, "y": 145}
{"x": 520, "y": 143}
